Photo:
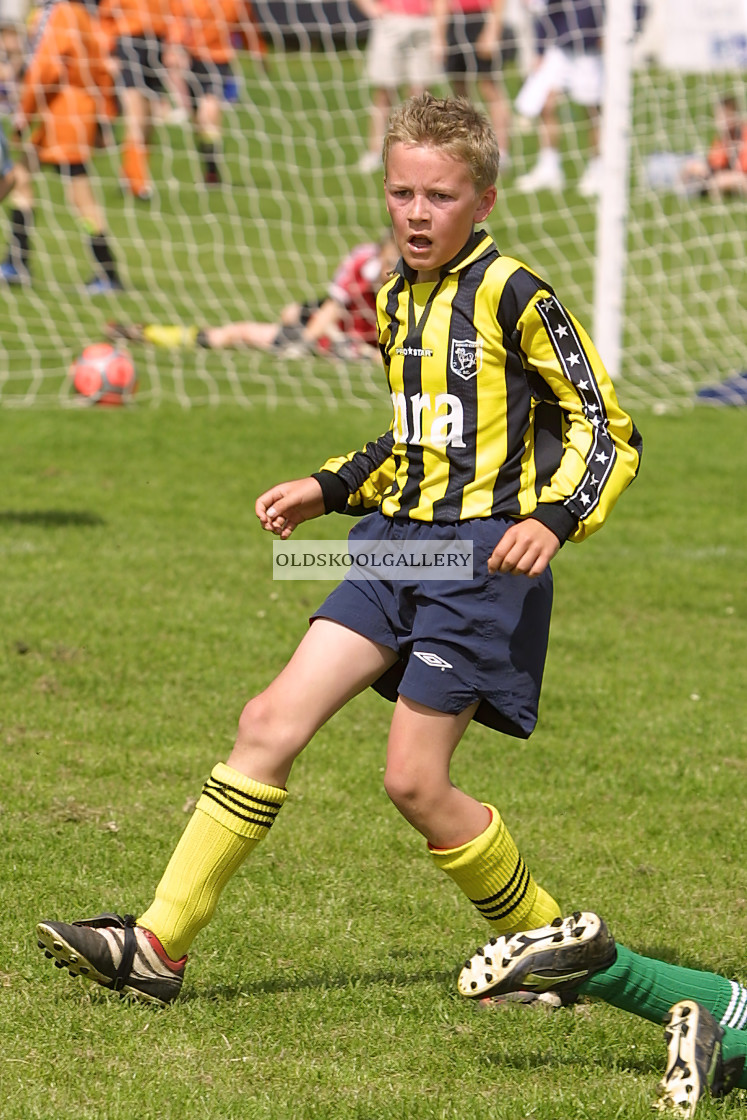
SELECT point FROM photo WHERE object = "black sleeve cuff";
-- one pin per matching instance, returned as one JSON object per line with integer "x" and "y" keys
{"x": 556, "y": 518}
{"x": 335, "y": 492}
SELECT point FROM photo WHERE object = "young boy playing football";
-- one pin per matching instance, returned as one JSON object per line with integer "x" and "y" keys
{"x": 506, "y": 435}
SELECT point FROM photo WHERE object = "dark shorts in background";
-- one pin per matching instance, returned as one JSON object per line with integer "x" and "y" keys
{"x": 141, "y": 64}
{"x": 462, "y": 59}
{"x": 69, "y": 170}
{"x": 207, "y": 78}
{"x": 458, "y": 641}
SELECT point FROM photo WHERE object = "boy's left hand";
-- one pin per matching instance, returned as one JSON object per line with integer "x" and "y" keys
{"x": 526, "y": 548}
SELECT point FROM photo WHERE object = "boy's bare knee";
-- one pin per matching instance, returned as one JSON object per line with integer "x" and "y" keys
{"x": 257, "y": 723}
{"x": 266, "y": 745}
{"x": 402, "y": 789}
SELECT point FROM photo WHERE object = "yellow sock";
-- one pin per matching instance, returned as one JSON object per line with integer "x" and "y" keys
{"x": 232, "y": 815}
{"x": 168, "y": 336}
{"x": 493, "y": 875}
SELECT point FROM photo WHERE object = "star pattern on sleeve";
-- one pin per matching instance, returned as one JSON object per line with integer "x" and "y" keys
{"x": 576, "y": 367}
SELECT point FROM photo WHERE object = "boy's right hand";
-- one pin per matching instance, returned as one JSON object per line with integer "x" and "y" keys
{"x": 285, "y": 506}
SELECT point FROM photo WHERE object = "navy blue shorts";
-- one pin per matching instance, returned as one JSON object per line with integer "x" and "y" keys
{"x": 459, "y": 641}
{"x": 141, "y": 64}
{"x": 462, "y": 59}
{"x": 207, "y": 78}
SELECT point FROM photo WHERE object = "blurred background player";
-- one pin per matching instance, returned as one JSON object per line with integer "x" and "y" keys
{"x": 724, "y": 170}
{"x": 568, "y": 36}
{"x": 68, "y": 86}
{"x": 467, "y": 45}
{"x": 400, "y": 54}
{"x": 7, "y": 168}
{"x": 201, "y": 50}
{"x": 12, "y": 38}
{"x": 343, "y": 323}
{"x": 137, "y": 31}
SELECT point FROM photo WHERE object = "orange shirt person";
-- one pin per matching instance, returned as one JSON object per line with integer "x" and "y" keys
{"x": 727, "y": 156}
{"x": 202, "y": 48}
{"x": 724, "y": 169}
{"x": 137, "y": 31}
{"x": 68, "y": 89}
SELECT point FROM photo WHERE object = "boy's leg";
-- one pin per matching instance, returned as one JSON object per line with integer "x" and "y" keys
{"x": 649, "y": 987}
{"x": 15, "y": 265}
{"x": 83, "y": 202}
{"x": 467, "y": 839}
{"x": 259, "y": 336}
{"x": 240, "y": 800}
{"x": 208, "y": 126}
{"x": 135, "y": 169}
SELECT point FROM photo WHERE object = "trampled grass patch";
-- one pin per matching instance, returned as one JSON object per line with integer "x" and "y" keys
{"x": 138, "y": 613}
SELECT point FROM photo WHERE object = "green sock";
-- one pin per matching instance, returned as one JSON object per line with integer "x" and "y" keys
{"x": 649, "y": 987}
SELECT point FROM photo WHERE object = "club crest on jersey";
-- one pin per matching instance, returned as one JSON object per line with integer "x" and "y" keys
{"x": 465, "y": 359}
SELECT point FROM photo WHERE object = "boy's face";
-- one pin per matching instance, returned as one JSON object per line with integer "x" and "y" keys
{"x": 433, "y": 205}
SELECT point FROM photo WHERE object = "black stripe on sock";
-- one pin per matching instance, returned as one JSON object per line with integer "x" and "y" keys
{"x": 240, "y": 794}
{"x": 247, "y": 817}
{"x": 509, "y": 887}
{"x": 513, "y": 894}
{"x": 243, "y": 806}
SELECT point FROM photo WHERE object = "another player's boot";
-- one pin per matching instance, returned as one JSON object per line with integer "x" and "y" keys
{"x": 547, "y": 174}
{"x": 101, "y": 285}
{"x": 694, "y": 1062}
{"x": 132, "y": 332}
{"x": 14, "y": 274}
{"x": 554, "y": 958}
{"x": 115, "y": 953}
{"x": 208, "y": 146}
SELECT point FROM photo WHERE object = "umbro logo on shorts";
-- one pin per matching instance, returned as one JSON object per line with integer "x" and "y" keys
{"x": 433, "y": 660}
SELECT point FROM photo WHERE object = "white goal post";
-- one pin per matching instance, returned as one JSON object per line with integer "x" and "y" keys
{"x": 612, "y": 205}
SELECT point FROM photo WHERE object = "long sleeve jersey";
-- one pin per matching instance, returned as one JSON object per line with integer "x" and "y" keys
{"x": 67, "y": 84}
{"x": 135, "y": 18}
{"x": 501, "y": 405}
{"x": 204, "y": 27}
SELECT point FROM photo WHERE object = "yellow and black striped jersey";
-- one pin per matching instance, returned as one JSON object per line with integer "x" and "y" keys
{"x": 501, "y": 405}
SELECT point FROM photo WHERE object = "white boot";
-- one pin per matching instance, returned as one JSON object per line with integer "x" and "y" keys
{"x": 590, "y": 183}
{"x": 547, "y": 173}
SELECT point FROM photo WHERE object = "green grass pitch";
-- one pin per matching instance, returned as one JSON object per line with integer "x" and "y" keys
{"x": 138, "y": 613}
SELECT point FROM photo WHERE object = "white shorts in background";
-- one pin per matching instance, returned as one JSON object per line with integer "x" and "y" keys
{"x": 13, "y": 13}
{"x": 559, "y": 71}
{"x": 400, "y": 52}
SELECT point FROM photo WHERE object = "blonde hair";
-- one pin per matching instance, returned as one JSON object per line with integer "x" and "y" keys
{"x": 452, "y": 124}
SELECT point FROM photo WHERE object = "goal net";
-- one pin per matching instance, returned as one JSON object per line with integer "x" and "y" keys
{"x": 293, "y": 202}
